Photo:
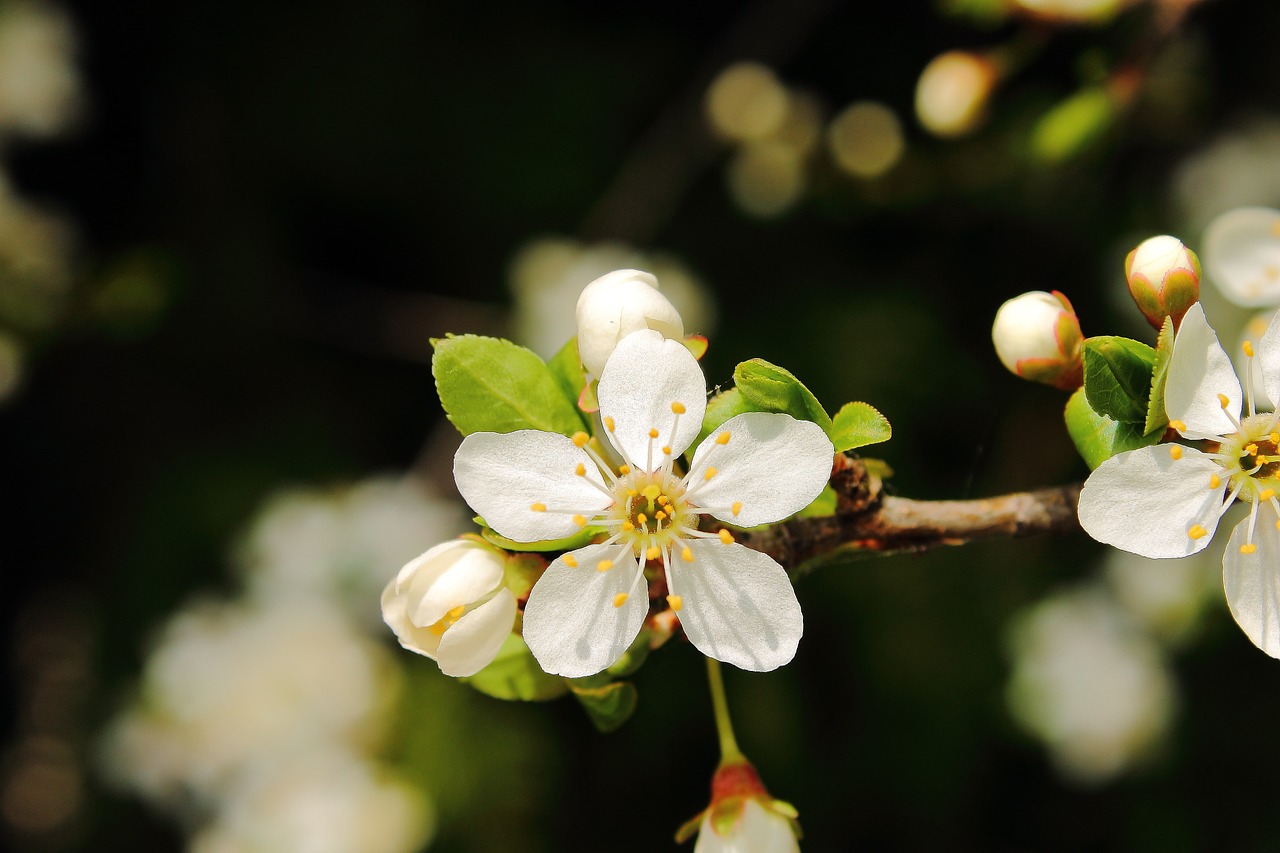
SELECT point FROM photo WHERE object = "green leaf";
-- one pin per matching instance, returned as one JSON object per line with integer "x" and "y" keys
{"x": 1156, "y": 417}
{"x": 773, "y": 389}
{"x": 857, "y": 425}
{"x": 566, "y": 368}
{"x": 720, "y": 408}
{"x": 515, "y": 675}
{"x": 492, "y": 385}
{"x": 1117, "y": 377}
{"x": 577, "y": 540}
{"x": 1098, "y": 437}
{"x": 608, "y": 703}
{"x": 1073, "y": 125}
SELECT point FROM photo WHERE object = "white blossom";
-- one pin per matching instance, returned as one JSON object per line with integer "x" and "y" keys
{"x": 615, "y": 305}
{"x": 735, "y": 604}
{"x": 953, "y": 92}
{"x": 1242, "y": 254}
{"x": 757, "y": 830}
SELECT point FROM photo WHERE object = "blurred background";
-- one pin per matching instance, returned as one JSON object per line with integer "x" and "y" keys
{"x": 228, "y": 234}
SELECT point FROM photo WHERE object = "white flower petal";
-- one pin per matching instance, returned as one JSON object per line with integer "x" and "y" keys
{"x": 1252, "y": 583}
{"x": 773, "y": 464}
{"x": 570, "y": 622}
{"x": 503, "y": 475}
{"x": 395, "y": 612}
{"x": 643, "y": 377}
{"x": 1268, "y": 363}
{"x": 738, "y": 605}
{"x": 615, "y": 305}
{"x": 470, "y": 574}
{"x": 1242, "y": 255}
{"x": 1199, "y": 371}
{"x": 1145, "y": 502}
{"x": 471, "y": 643}
{"x": 757, "y": 831}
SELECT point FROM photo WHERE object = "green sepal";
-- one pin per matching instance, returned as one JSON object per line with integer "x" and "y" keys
{"x": 1117, "y": 377}
{"x": 696, "y": 344}
{"x": 689, "y": 828}
{"x": 823, "y": 505}
{"x": 1157, "y": 419}
{"x": 566, "y": 369}
{"x": 633, "y": 657}
{"x": 1098, "y": 437}
{"x": 521, "y": 571}
{"x": 609, "y": 704}
{"x": 770, "y": 388}
{"x": 720, "y": 408}
{"x": 492, "y": 385}
{"x": 514, "y": 675}
{"x": 858, "y": 425}
{"x": 569, "y": 543}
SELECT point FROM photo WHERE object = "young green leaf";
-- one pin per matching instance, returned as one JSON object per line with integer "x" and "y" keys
{"x": 720, "y": 408}
{"x": 1156, "y": 417}
{"x": 515, "y": 675}
{"x": 567, "y": 370}
{"x": 857, "y": 425}
{"x": 773, "y": 389}
{"x": 1098, "y": 437}
{"x": 1117, "y": 377}
{"x": 492, "y": 385}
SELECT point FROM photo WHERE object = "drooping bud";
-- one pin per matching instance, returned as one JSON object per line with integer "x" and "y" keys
{"x": 1037, "y": 336}
{"x": 615, "y": 305}
{"x": 742, "y": 816}
{"x": 1242, "y": 254}
{"x": 953, "y": 93}
{"x": 1164, "y": 279}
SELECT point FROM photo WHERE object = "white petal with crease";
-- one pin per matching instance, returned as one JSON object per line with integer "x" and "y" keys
{"x": 1199, "y": 371}
{"x": 1252, "y": 584}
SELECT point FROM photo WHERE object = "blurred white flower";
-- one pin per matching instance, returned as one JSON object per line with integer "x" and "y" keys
{"x": 40, "y": 91}
{"x": 1168, "y": 597}
{"x": 325, "y": 800}
{"x": 953, "y": 92}
{"x": 1242, "y": 255}
{"x": 615, "y": 305}
{"x": 548, "y": 277}
{"x": 1240, "y": 167}
{"x": 36, "y": 249}
{"x": 341, "y": 544}
{"x": 450, "y": 604}
{"x": 746, "y": 101}
{"x": 1089, "y": 683}
{"x": 766, "y": 177}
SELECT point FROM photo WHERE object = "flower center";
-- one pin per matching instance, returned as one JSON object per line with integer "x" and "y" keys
{"x": 1251, "y": 456}
{"x": 651, "y": 511}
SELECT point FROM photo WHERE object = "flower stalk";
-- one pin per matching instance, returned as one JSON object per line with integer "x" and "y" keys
{"x": 729, "y": 751}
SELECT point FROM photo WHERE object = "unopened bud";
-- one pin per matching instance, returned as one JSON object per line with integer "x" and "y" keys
{"x": 1164, "y": 279}
{"x": 615, "y": 305}
{"x": 1037, "y": 336}
{"x": 953, "y": 92}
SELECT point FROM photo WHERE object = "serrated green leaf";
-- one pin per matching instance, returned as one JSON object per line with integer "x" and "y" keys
{"x": 774, "y": 389}
{"x": 577, "y": 540}
{"x": 720, "y": 408}
{"x": 1117, "y": 377}
{"x": 492, "y": 385}
{"x": 1157, "y": 419}
{"x": 1098, "y": 437}
{"x": 515, "y": 675}
{"x": 608, "y": 704}
{"x": 566, "y": 368}
{"x": 857, "y": 425}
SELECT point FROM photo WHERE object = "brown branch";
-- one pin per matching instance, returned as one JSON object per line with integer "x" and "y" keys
{"x": 868, "y": 522}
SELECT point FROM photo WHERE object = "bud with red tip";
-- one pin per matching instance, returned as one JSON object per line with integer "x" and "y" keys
{"x": 742, "y": 817}
{"x": 1037, "y": 336}
{"x": 1164, "y": 279}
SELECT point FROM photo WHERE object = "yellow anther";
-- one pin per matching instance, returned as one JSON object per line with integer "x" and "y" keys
{"x": 1251, "y": 449}
{"x": 1214, "y": 481}
{"x": 604, "y": 565}
{"x": 439, "y": 628}
{"x": 1175, "y": 452}
{"x": 722, "y": 438}
{"x": 687, "y": 554}
{"x": 641, "y": 519}
{"x": 1223, "y": 401}
{"x": 570, "y": 561}
{"x": 678, "y": 408}
{"x": 676, "y": 602}
{"x": 580, "y": 439}
{"x": 580, "y": 521}
{"x": 1248, "y": 349}
{"x": 725, "y": 536}
{"x": 666, "y": 449}
{"x": 653, "y": 433}
{"x": 1278, "y": 524}
{"x": 581, "y": 470}
{"x": 456, "y": 613}
{"x": 659, "y": 515}
{"x": 711, "y": 472}
{"x": 1178, "y": 425}
{"x": 1248, "y": 548}
{"x": 663, "y": 500}
{"x": 624, "y": 470}
{"x": 736, "y": 508}
{"x": 628, "y": 526}
{"x": 631, "y": 493}
{"x": 538, "y": 507}
{"x": 620, "y": 599}
{"x": 608, "y": 424}
{"x": 653, "y": 553}
{"x": 1275, "y": 437}
{"x": 1197, "y": 532}
{"x": 1267, "y": 494}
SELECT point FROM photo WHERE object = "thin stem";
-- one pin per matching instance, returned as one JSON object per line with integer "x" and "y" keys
{"x": 729, "y": 752}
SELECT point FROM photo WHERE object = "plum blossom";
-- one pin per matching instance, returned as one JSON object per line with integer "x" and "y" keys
{"x": 1166, "y": 501}
{"x": 735, "y": 604}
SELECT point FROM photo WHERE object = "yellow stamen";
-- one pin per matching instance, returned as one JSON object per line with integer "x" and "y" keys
{"x": 1178, "y": 425}
{"x": 1267, "y": 494}
{"x": 1214, "y": 481}
{"x": 687, "y": 554}
{"x": 725, "y": 536}
{"x": 653, "y": 553}
{"x": 439, "y": 628}
{"x": 570, "y": 561}
{"x": 666, "y": 449}
{"x": 604, "y": 565}
{"x": 722, "y": 438}
{"x": 1223, "y": 401}
{"x": 580, "y": 439}
{"x": 1248, "y": 548}
{"x": 653, "y": 433}
{"x": 456, "y": 613}
{"x": 624, "y": 470}
{"x": 580, "y": 521}
{"x": 1251, "y": 449}
{"x": 1175, "y": 452}
{"x": 1275, "y": 437}
{"x": 736, "y": 508}
{"x": 620, "y": 599}
{"x": 659, "y": 515}
{"x": 581, "y": 470}
{"x": 608, "y": 424}
{"x": 676, "y": 602}
{"x": 641, "y": 519}
{"x": 538, "y": 507}
{"x": 678, "y": 408}
{"x": 1248, "y": 349}
{"x": 628, "y": 526}
{"x": 711, "y": 472}
{"x": 1197, "y": 532}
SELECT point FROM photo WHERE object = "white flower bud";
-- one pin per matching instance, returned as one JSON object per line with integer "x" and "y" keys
{"x": 1164, "y": 278}
{"x": 615, "y": 305}
{"x": 952, "y": 95}
{"x": 450, "y": 604}
{"x": 1037, "y": 336}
